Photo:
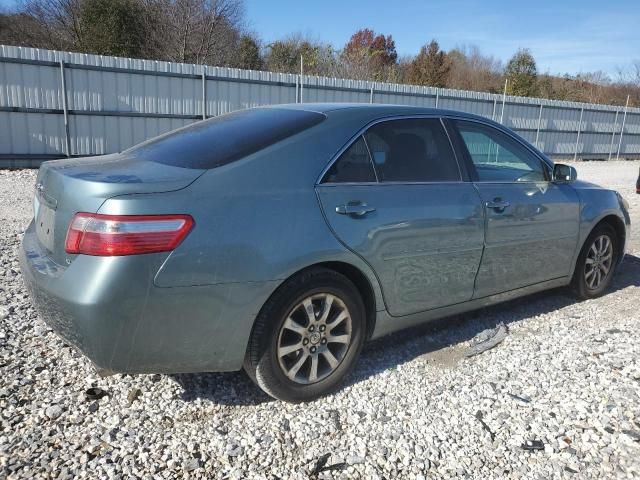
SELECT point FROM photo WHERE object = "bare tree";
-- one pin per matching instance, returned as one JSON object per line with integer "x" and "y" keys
{"x": 472, "y": 70}
{"x": 593, "y": 86}
{"x": 54, "y": 23}
{"x": 196, "y": 31}
{"x": 192, "y": 31}
{"x": 19, "y": 29}
{"x": 630, "y": 75}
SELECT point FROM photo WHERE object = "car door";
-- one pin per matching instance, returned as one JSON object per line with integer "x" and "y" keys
{"x": 531, "y": 223}
{"x": 397, "y": 198}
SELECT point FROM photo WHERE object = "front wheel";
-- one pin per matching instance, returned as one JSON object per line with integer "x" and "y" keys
{"x": 307, "y": 337}
{"x": 596, "y": 263}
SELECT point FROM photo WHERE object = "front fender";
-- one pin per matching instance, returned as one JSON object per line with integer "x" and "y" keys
{"x": 596, "y": 204}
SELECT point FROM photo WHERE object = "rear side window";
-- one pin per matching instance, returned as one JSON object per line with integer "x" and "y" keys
{"x": 226, "y": 138}
{"x": 412, "y": 150}
{"x": 354, "y": 165}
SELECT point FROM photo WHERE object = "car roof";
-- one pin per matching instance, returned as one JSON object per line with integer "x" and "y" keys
{"x": 377, "y": 109}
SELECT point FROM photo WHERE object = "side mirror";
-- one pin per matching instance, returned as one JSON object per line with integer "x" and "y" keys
{"x": 564, "y": 173}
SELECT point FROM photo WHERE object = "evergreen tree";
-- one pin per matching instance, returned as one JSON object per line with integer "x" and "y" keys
{"x": 113, "y": 27}
{"x": 430, "y": 67}
{"x": 522, "y": 74}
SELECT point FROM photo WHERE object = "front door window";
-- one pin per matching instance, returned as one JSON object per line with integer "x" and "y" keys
{"x": 497, "y": 157}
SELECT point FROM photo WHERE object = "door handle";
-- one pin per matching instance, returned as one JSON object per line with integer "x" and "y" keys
{"x": 497, "y": 204}
{"x": 354, "y": 209}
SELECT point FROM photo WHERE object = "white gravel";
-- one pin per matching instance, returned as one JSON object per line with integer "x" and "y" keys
{"x": 567, "y": 375}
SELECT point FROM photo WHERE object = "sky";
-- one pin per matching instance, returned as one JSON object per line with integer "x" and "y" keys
{"x": 565, "y": 36}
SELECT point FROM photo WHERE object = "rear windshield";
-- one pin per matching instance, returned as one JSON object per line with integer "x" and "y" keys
{"x": 224, "y": 139}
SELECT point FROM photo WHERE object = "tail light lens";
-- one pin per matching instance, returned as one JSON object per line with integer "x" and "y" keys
{"x": 114, "y": 235}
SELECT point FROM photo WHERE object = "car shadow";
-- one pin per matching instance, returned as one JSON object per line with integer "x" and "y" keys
{"x": 224, "y": 388}
{"x": 396, "y": 349}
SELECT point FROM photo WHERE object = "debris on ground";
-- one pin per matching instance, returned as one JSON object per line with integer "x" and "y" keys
{"x": 487, "y": 339}
{"x": 321, "y": 465}
{"x": 533, "y": 445}
{"x": 133, "y": 395}
{"x": 519, "y": 398}
{"x": 480, "y": 418}
{"x": 94, "y": 393}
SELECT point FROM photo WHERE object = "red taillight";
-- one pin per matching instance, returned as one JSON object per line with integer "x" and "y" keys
{"x": 112, "y": 235}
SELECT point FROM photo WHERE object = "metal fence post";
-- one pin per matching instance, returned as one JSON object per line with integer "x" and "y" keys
{"x": 613, "y": 134}
{"x": 575, "y": 153}
{"x": 495, "y": 105}
{"x": 624, "y": 119}
{"x": 204, "y": 92}
{"x": 504, "y": 97}
{"x": 297, "y": 88}
{"x": 65, "y": 110}
{"x": 437, "y": 97}
{"x": 371, "y": 95}
{"x": 301, "y": 78}
{"x": 538, "y": 129}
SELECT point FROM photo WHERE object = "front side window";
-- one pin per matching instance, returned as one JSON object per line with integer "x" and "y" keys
{"x": 412, "y": 150}
{"x": 497, "y": 157}
{"x": 354, "y": 165}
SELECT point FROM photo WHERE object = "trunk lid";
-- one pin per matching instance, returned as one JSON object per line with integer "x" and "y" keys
{"x": 65, "y": 187}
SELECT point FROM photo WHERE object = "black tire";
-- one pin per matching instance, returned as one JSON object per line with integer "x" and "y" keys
{"x": 261, "y": 361}
{"x": 579, "y": 283}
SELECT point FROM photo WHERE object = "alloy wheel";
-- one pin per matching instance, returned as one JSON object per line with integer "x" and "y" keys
{"x": 598, "y": 262}
{"x": 314, "y": 338}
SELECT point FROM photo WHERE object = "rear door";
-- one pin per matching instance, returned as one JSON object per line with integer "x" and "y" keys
{"x": 396, "y": 197}
{"x": 531, "y": 223}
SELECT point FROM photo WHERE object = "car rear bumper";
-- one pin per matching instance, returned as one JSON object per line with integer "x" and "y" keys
{"x": 109, "y": 308}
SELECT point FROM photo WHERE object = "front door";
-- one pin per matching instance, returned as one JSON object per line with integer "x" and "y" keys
{"x": 531, "y": 223}
{"x": 396, "y": 198}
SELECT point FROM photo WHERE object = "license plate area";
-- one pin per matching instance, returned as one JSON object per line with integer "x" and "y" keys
{"x": 45, "y": 222}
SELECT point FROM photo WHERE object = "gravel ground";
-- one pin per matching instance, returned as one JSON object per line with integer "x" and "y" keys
{"x": 567, "y": 375}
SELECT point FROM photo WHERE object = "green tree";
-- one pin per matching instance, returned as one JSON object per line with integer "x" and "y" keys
{"x": 113, "y": 27}
{"x": 249, "y": 53}
{"x": 284, "y": 56}
{"x": 430, "y": 67}
{"x": 522, "y": 74}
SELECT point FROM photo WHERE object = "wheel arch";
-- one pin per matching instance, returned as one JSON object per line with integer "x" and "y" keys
{"x": 610, "y": 219}
{"x": 362, "y": 283}
{"x": 618, "y": 226}
{"x": 356, "y": 276}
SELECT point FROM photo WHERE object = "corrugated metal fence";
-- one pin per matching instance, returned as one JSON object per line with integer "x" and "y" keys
{"x": 55, "y": 104}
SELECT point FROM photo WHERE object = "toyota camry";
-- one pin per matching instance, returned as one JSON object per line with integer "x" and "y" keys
{"x": 279, "y": 239}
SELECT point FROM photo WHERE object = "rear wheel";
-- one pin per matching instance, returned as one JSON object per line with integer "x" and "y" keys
{"x": 596, "y": 263}
{"x": 307, "y": 337}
